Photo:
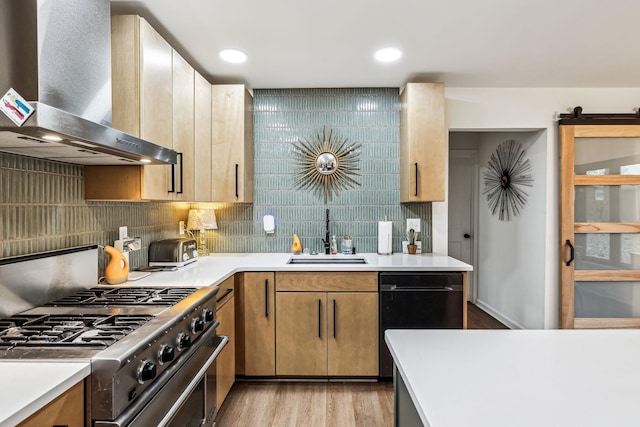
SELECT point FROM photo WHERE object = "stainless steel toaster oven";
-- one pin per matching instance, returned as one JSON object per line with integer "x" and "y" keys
{"x": 175, "y": 252}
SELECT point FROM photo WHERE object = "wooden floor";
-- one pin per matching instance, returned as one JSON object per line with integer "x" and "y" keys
{"x": 308, "y": 404}
{"x": 320, "y": 404}
{"x": 480, "y": 319}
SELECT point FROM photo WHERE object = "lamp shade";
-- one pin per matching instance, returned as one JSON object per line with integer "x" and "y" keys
{"x": 202, "y": 219}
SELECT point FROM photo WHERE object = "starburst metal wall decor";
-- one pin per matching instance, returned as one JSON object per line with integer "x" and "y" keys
{"x": 325, "y": 164}
{"x": 506, "y": 175}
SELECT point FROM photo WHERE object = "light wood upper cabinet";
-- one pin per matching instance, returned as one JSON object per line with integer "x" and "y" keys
{"x": 259, "y": 324}
{"x": 232, "y": 144}
{"x": 423, "y": 143}
{"x": 153, "y": 98}
{"x": 182, "y": 178}
{"x": 202, "y": 128}
{"x": 327, "y": 324}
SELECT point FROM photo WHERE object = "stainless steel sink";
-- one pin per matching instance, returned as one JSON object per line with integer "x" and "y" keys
{"x": 327, "y": 260}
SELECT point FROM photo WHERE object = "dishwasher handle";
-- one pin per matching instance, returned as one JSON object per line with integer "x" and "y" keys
{"x": 427, "y": 288}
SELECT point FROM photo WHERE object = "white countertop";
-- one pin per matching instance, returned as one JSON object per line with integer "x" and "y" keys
{"x": 37, "y": 383}
{"x": 213, "y": 269}
{"x": 28, "y": 386}
{"x": 524, "y": 378}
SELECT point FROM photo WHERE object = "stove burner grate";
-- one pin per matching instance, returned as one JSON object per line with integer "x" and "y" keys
{"x": 110, "y": 297}
{"x": 67, "y": 331}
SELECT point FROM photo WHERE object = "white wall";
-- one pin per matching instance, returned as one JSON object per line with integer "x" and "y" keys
{"x": 510, "y": 253}
{"x": 516, "y": 109}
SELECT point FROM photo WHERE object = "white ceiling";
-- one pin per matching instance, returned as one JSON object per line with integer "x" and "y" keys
{"x": 463, "y": 43}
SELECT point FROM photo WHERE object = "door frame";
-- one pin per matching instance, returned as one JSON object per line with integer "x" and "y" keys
{"x": 475, "y": 200}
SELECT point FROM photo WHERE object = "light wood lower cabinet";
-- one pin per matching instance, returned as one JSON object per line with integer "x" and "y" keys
{"x": 259, "y": 324}
{"x": 66, "y": 410}
{"x": 301, "y": 333}
{"x": 327, "y": 333}
{"x": 226, "y": 361}
{"x": 330, "y": 331}
{"x": 352, "y": 334}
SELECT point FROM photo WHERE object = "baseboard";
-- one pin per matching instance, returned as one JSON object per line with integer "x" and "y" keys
{"x": 499, "y": 316}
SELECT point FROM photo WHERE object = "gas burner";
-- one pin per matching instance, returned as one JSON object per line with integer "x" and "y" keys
{"x": 110, "y": 297}
{"x": 67, "y": 331}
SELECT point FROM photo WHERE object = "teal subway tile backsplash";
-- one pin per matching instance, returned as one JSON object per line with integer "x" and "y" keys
{"x": 42, "y": 205}
{"x": 42, "y": 208}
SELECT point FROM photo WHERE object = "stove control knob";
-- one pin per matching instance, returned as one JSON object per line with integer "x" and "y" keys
{"x": 146, "y": 371}
{"x": 207, "y": 315}
{"x": 166, "y": 354}
{"x": 183, "y": 341}
{"x": 197, "y": 325}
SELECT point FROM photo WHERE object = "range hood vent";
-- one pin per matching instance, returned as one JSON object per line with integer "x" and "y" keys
{"x": 57, "y": 55}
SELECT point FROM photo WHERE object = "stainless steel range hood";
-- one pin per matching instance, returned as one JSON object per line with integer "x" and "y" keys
{"x": 57, "y": 55}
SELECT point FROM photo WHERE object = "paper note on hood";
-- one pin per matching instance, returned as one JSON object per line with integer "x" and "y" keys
{"x": 15, "y": 107}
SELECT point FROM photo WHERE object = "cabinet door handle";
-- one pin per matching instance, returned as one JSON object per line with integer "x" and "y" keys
{"x": 416, "y": 179}
{"x": 571, "y": 253}
{"x": 237, "y": 166}
{"x": 173, "y": 179}
{"x": 180, "y": 157}
{"x": 334, "y": 318}
{"x": 266, "y": 298}
{"x": 319, "y": 318}
{"x": 226, "y": 292}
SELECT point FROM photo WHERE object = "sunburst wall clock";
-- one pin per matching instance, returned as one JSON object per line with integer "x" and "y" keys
{"x": 507, "y": 173}
{"x": 325, "y": 164}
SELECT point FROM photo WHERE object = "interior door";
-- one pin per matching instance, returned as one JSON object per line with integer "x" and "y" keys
{"x": 600, "y": 226}
{"x": 462, "y": 170}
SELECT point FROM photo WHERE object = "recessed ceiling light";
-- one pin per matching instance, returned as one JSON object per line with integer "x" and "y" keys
{"x": 388, "y": 54}
{"x": 234, "y": 56}
{"x": 52, "y": 138}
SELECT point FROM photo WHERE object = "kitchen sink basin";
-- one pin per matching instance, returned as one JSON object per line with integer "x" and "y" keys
{"x": 321, "y": 260}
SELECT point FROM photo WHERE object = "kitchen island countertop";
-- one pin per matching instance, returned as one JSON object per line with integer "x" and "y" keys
{"x": 213, "y": 269}
{"x": 525, "y": 378}
{"x": 28, "y": 386}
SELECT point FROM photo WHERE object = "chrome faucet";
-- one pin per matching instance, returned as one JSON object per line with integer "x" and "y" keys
{"x": 325, "y": 241}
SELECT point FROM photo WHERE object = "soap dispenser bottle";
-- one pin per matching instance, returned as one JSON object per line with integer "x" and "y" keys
{"x": 334, "y": 245}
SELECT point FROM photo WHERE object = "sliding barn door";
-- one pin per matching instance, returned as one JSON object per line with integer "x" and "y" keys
{"x": 600, "y": 226}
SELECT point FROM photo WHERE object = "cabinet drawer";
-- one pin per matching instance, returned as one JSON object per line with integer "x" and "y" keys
{"x": 332, "y": 281}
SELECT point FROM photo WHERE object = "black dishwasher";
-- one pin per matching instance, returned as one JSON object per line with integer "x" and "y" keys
{"x": 418, "y": 300}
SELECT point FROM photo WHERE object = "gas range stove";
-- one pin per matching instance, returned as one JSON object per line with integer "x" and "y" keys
{"x": 122, "y": 296}
{"x": 151, "y": 349}
{"x": 99, "y": 331}
{"x": 132, "y": 337}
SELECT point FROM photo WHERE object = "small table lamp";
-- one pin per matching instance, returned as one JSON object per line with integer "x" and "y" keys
{"x": 202, "y": 219}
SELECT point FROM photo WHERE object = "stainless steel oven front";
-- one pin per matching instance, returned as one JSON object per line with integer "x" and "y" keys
{"x": 180, "y": 398}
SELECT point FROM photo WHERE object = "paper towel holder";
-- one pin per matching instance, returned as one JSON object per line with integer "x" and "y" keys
{"x": 385, "y": 237}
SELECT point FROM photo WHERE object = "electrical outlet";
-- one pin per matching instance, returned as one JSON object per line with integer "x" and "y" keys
{"x": 413, "y": 223}
{"x": 181, "y": 227}
{"x": 123, "y": 232}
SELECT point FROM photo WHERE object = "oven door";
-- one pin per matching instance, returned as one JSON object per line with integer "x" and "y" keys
{"x": 181, "y": 400}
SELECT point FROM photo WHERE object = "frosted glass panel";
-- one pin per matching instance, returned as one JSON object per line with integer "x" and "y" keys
{"x": 607, "y": 156}
{"x": 607, "y": 299}
{"x": 607, "y": 203}
{"x": 595, "y": 251}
